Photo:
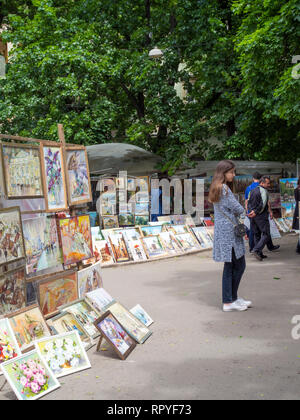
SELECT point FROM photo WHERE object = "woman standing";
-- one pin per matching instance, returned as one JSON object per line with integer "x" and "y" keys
{"x": 228, "y": 248}
{"x": 296, "y": 214}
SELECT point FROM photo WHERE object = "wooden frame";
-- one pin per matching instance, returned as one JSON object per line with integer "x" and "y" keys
{"x": 105, "y": 219}
{"x": 22, "y": 242}
{"x": 21, "y": 146}
{"x": 113, "y": 247}
{"x": 30, "y": 345}
{"x": 124, "y": 340}
{"x": 11, "y": 273}
{"x": 85, "y": 200}
{"x": 44, "y": 177}
{"x": 149, "y": 238}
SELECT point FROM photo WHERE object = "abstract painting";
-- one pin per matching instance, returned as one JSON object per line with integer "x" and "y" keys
{"x": 22, "y": 171}
{"x": 29, "y": 376}
{"x": 78, "y": 177}
{"x": 64, "y": 354}
{"x": 9, "y": 348}
{"x": 41, "y": 244}
{"x": 12, "y": 291}
{"x": 28, "y": 325}
{"x": 76, "y": 239}
{"x": 89, "y": 279}
{"x": 54, "y": 178}
{"x": 11, "y": 235}
{"x": 57, "y": 291}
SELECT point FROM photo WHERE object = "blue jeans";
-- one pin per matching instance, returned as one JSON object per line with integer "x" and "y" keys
{"x": 232, "y": 275}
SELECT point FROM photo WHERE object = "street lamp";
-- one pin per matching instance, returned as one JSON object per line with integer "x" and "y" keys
{"x": 156, "y": 53}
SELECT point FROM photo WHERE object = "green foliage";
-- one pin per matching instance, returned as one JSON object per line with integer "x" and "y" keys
{"x": 85, "y": 64}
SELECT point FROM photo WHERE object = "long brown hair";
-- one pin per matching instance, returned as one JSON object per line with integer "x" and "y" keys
{"x": 215, "y": 190}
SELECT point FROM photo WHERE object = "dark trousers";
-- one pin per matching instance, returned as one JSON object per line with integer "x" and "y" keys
{"x": 298, "y": 247}
{"x": 232, "y": 275}
{"x": 260, "y": 226}
{"x": 251, "y": 238}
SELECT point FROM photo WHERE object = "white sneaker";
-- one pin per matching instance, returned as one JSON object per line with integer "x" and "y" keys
{"x": 235, "y": 306}
{"x": 242, "y": 301}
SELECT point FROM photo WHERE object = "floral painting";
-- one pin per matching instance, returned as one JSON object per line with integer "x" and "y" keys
{"x": 78, "y": 177}
{"x": 64, "y": 354}
{"x": 12, "y": 291}
{"x": 22, "y": 171}
{"x": 54, "y": 178}
{"x": 9, "y": 348}
{"x": 89, "y": 279}
{"x": 11, "y": 235}
{"x": 29, "y": 376}
{"x": 76, "y": 239}
{"x": 56, "y": 292}
{"x": 41, "y": 244}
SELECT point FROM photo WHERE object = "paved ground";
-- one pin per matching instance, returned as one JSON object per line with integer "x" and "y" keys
{"x": 197, "y": 351}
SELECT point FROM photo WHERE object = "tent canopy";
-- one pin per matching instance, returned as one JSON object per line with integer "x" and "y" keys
{"x": 115, "y": 157}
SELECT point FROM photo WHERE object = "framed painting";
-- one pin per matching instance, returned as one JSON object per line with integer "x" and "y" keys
{"x": 64, "y": 354}
{"x": 115, "y": 335}
{"x": 142, "y": 183}
{"x": 29, "y": 376}
{"x": 102, "y": 250}
{"x": 110, "y": 222}
{"x": 66, "y": 322}
{"x": 187, "y": 242}
{"x": 28, "y": 325}
{"x": 41, "y": 244}
{"x": 154, "y": 247}
{"x": 12, "y": 291}
{"x": 85, "y": 314}
{"x": 118, "y": 246}
{"x": 76, "y": 239}
{"x": 126, "y": 219}
{"x": 133, "y": 326}
{"x": 54, "y": 178}
{"x": 178, "y": 229}
{"x": 142, "y": 197}
{"x": 137, "y": 250}
{"x": 202, "y": 236}
{"x": 141, "y": 220}
{"x": 9, "y": 348}
{"x": 132, "y": 233}
{"x": 56, "y": 291}
{"x": 142, "y": 315}
{"x": 100, "y": 299}
{"x": 89, "y": 279}
{"x": 78, "y": 176}
{"x": 11, "y": 235}
{"x": 170, "y": 244}
{"x": 151, "y": 230}
{"x": 22, "y": 171}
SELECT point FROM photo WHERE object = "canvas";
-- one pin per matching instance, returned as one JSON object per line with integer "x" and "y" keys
{"x": 11, "y": 235}
{"x": 132, "y": 233}
{"x": 151, "y": 230}
{"x": 187, "y": 242}
{"x": 89, "y": 279}
{"x": 64, "y": 354}
{"x": 76, "y": 239}
{"x": 56, "y": 291}
{"x": 137, "y": 250}
{"x": 85, "y": 314}
{"x": 54, "y": 178}
{"x": 22, "y": 171}
{"x": 154, "y": 247}
{"x": 66, "y": 322}
{"x": 178, "y": 229}
{"x": 141, "y": 220}
{"x": 28, "y": 325}
{"x": 102, "y": 251}
{"x": 142, "y": 183}
{"x": 142, "y": 315}
{"x": 9, "y": 348}
{"x": 110, "y": 222}
{"x": 12, "y": 291}
{"x": 118, "y": 246}
{"x": 115, "y": 335}
{"x": 100, "y": 299}
{"x": 203, "y": 237}
{"x": 170, "y": 244}
{"x": 41, "y": 244}
{"x": 133, "y": 326}
{"x": 29, "y": 376}
{"x": 78, "y": 177}
{"x": 126, "y": 219}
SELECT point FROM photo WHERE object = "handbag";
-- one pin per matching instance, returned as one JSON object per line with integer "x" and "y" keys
{"x": 240, "y": 229}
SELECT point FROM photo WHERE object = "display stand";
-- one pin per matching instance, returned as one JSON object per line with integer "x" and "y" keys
{"x": 99, "y": 343}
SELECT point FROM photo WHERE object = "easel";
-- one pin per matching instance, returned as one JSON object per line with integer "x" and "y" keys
{"x": 99, "y": 343}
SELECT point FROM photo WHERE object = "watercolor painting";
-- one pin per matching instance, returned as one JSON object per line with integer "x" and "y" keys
{"x": 151, "y": 230}
{"x": 57, "y": 291}
{"x": 137, "y": 250}
{"x": 89, "y": 279}
{"x": 170, "y": 244}
{"x": 29, "y": 376}
{"x": 154, "y": 247}
{"x": 76, "y": 239}
{"x": 64, "y": 354}
{"x": 100, "y": 299}
{"x": 28, "y": 325}
{"x": 78, "y": 177}
{"x": 9, "y": 348}
{"x": 41, "y": 244}
{"x": 203, "y": 237}
{"x": 118, "y": 246}
{"x": 52, "y": 164}
{"x": 110, "y": 222}
{"x": 66, "y": 322}
{"x": 142, "y": 315}
{"x": 187, "y": 242}
{"x": 126, "y": 219}
{"x": 11, "y": 235}
{"x": 12, "y": 291}
{"x": 22, "y": 171}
